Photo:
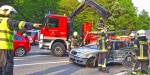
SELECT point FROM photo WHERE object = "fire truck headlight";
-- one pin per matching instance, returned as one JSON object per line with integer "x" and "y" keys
{"x": 41, "y": 36}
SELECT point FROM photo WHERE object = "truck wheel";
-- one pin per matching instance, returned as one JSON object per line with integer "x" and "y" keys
{"x": 90, "y": 63}
{"x": 58, "y": 49}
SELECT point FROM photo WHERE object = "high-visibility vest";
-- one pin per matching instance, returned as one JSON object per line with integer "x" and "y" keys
{"x": 7, "y": 35}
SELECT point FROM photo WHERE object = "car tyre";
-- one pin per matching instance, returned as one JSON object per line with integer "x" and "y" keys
{"x": 58, "y": 49}
{"x": 20, "y": 51}
{"x": 90, "y": 63}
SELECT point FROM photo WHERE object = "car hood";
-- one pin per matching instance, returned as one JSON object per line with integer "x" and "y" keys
{"x": 85, "y": 49}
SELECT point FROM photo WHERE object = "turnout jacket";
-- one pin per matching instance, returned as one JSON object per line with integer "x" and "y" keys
{"x": 142, "y": 44}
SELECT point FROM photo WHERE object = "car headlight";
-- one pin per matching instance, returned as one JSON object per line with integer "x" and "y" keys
{"x": 82, "y": 55}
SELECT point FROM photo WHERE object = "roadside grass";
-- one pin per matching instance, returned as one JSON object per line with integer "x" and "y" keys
{"x": 149, "y": 71}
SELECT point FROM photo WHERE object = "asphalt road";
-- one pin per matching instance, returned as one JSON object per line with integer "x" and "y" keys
{"x": 42, "y": 62}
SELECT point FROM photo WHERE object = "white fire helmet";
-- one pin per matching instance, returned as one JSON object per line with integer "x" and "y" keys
{"x": 141, "y": 33}
{"x": 8, "y": 9}
{"x": 132, "y": 34}
{"x": 75, "y": 33}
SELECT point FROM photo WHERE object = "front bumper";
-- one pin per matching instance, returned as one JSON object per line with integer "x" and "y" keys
{"x": 78, "y": 60}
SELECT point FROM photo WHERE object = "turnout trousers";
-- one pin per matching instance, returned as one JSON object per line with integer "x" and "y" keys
{"x": 7, "y": 68}
{"x": 144, "y": 66}
{"x": 102, "y": 61}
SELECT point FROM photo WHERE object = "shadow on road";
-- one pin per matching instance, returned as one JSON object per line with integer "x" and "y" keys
{"x": 59, "y": 70}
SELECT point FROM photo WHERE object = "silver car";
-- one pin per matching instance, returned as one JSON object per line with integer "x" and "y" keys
{"x": 86, "y": 55}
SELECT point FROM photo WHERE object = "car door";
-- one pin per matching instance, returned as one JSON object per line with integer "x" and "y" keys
{"x": 17, "y": 41}
{"x": 118, "y": 52}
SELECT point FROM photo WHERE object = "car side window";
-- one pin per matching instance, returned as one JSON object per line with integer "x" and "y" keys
{"x": 18, "y": 37}
{"x": 119, "y": 45}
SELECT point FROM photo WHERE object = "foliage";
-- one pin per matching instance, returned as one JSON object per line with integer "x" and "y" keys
{"x": 124, "y": 14}
{"x": 6, "y": 2}
{"x": 144, "y": 20}
{"x": 34, "y": 10}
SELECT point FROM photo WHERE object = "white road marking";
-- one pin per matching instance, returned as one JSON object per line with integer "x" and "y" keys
{"x": 31, "y": 56}
{"x": 19, "y": 59}
{"x": 40, "y": 63}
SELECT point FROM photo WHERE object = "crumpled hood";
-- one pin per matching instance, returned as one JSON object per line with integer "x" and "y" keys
{"x": 85, "y": 49}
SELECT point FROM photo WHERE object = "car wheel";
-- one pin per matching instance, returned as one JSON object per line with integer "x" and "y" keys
{"x": 90, "y": 63}
{"x": 20, "y": 51}
{"x": 58, "y": 49}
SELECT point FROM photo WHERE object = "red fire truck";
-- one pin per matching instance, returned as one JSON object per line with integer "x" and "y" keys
{"x": 58, "y": 28}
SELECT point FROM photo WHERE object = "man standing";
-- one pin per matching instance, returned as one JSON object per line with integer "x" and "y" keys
{"x": 7, "y": 27}
{"x": 142, "y": 54}
{"x": 103, "y": 47}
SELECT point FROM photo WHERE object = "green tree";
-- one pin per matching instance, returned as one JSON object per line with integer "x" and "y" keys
{"x": 144, "y": 20}
{"x": 34, "y": 10}
{"x": 6, "y": 2}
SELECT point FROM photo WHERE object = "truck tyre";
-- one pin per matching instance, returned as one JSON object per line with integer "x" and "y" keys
{"x": 58, "y": 49}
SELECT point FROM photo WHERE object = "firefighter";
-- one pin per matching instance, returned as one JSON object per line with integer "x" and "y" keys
{"x": 73, "y": 41}
{"x": 142, "y": 54}
{"x": 131, "y": 39}
{"x": 103, "y": 47}
{"x": 7, "y": 28}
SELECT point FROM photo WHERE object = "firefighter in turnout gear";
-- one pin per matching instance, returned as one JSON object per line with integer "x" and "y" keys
{"x": 142, "y": 54}
{"x": 7, "y": 28}
{"x": 103, "y": 46}
{"x": 73, "y": 42}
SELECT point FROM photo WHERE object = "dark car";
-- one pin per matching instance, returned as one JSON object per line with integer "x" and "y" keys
{"x": 21, "y": 45}
{"x": 85, "y": 55}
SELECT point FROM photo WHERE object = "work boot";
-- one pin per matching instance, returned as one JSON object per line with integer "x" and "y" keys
{"x": 105, "y": 71}
{"x": 99, "y": 68}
